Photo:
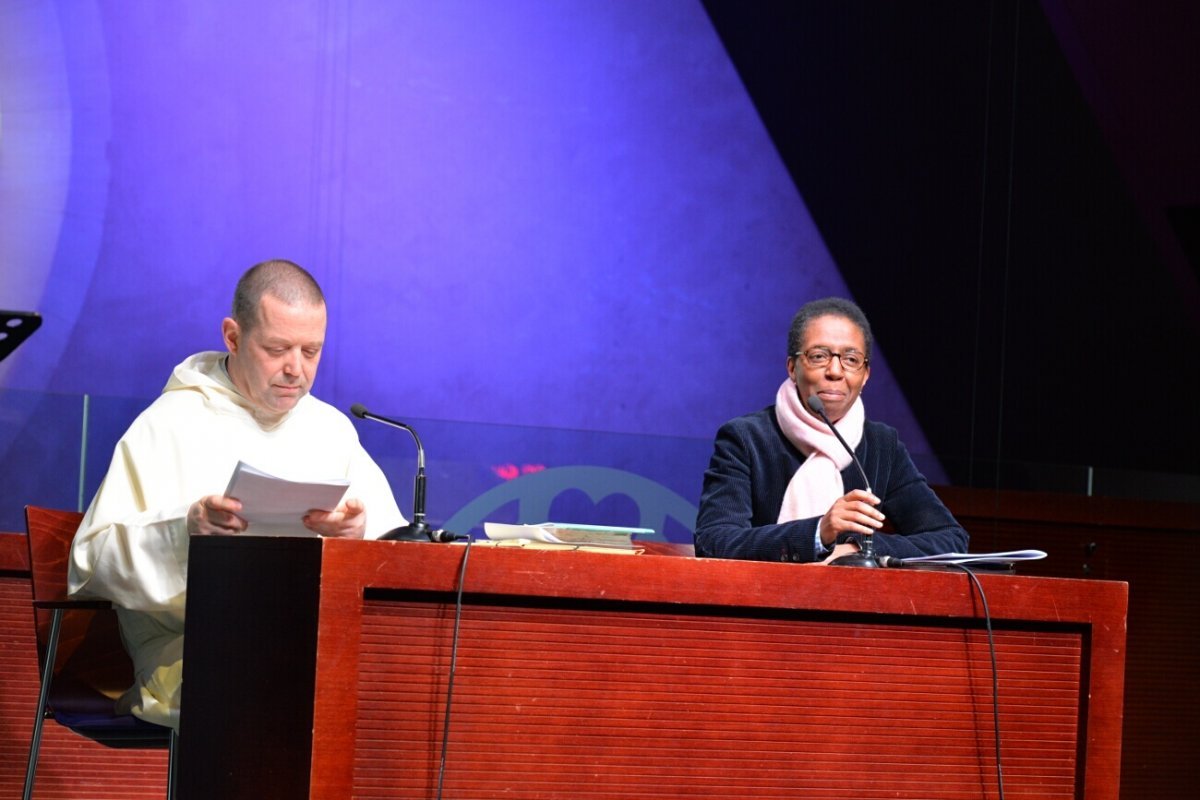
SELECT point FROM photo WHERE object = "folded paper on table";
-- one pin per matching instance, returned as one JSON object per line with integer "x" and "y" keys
{"x": 275, "y": 506}
{"x": 562, "y": 533}
{"x": 533, "y": 544}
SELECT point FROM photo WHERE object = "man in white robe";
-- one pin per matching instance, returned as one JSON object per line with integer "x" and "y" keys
{"x": 169, "y": 471}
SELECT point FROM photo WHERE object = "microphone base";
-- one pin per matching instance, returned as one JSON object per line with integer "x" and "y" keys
{"x": 413, "y": 532}
{"x": 856, "y": 560}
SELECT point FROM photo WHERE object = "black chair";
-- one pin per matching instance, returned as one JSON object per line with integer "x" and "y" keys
{"x": 83, "y": 664}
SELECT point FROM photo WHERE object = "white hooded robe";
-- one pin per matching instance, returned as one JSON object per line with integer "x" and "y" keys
{"x": 132, "y": 546}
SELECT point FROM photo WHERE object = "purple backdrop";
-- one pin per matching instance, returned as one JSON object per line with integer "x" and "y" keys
{"x": 562, "y": 216}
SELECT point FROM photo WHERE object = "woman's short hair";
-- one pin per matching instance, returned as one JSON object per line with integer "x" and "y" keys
{"x": 827, "y": 307}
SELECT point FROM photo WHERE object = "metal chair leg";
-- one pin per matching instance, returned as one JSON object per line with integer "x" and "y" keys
{"x": 35, "y": 741}
{"x": 172, "y": 751}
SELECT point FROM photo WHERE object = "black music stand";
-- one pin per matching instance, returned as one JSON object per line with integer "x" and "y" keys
{"x": 16, "y": 327}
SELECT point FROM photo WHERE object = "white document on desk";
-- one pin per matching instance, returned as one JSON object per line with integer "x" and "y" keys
{"x": 275, "y": 506}
{"x": 1006, "y": 557}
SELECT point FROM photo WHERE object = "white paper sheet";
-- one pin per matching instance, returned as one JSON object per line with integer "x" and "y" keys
{"x": 275, "y": 506}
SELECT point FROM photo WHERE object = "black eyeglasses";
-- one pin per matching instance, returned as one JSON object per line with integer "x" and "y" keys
{"x": 819, "y": 358}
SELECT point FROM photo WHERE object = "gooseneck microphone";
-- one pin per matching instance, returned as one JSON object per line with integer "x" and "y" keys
{"x": 417, "y": 529}
{"x": 866, "y": 556}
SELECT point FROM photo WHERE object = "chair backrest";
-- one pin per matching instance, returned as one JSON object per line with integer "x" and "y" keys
{"x": 91, "y": 666}
{"x": 51, "y": 532}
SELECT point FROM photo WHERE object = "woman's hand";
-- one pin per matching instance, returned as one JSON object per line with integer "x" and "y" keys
{"x": 843, "y": 549}
{"x": 854, "y": 512}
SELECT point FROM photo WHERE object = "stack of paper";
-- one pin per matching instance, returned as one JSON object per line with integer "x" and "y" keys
{"x": 274, "y": 506}
{"x": 1006, "y": 557}
{"x": 567, "y": 534}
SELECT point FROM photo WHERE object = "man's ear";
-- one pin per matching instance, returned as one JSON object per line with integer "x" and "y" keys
{"x": 231, "y": 333}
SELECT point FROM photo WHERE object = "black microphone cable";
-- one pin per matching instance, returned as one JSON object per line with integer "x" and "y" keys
{"x": 987, "y": 617}
{"x": 892, "y": 561}
{"x": 462, "y": 577}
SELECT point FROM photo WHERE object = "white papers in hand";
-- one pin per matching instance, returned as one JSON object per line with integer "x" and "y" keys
{"x": 274, "y": 506}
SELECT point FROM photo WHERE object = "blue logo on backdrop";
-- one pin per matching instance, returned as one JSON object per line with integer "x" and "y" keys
{"x": 535, "y": 494}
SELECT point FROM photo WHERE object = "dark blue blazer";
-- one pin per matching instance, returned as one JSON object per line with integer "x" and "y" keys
{"x": 751, "y": 466}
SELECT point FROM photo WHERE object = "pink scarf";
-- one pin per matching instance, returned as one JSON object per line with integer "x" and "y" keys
{"x": 817, "y": 484}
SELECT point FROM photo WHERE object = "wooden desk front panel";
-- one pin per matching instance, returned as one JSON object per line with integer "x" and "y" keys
{"x": 568, "y": 699}
{"x": 591, "y": 675}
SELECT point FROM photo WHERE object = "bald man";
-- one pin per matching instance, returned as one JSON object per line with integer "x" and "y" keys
{"x": 165, "y": 484}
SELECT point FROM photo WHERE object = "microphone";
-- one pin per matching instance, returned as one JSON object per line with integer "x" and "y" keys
{"x": 417, "y": 529}
{"x": 866, "y": 556}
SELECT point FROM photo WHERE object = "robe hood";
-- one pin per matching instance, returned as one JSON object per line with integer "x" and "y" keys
{"x": 206, "y": 374}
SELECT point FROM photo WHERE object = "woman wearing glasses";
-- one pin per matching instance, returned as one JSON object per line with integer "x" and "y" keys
{"x": 782, "y": 487}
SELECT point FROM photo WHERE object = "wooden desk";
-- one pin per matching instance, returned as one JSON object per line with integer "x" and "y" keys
{"x": 319, "y": 668}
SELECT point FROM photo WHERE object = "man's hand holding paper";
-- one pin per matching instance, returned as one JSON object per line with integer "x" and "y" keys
{"x": 271, "y": 506}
